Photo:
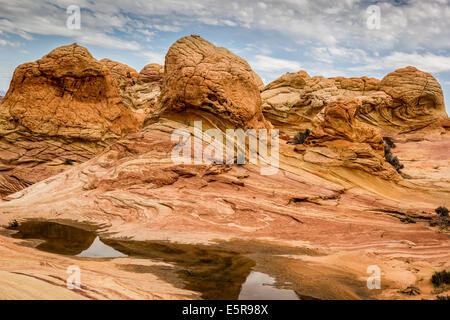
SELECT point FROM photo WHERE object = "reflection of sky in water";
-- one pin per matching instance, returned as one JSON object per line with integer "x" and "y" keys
{"x": 100, "y": 250}
{"x": 258, "y": 286}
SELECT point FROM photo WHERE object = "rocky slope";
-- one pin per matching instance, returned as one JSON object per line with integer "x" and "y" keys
{"x": 334, "y": 207}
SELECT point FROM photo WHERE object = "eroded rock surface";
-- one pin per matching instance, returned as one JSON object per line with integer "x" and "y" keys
{"x": 405, "y": 100}
{"x": 201, "y": 76}
{"x": 334, "y": 195}
{"x": 139, "y": 91}
{"x": 340, "y": 139}
{"x": 59, "y": 110}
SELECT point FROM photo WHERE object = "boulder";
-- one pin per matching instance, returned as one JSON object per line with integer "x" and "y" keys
{"x": 199, "y": 76}
{"x": 59, "y": 110}
{"x": 151, "y": 73}
{"x": 417, "y": 99}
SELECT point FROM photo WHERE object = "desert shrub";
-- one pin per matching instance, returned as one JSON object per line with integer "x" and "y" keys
{"x": 69, "y": 162}
{"x": 442, "y": 211}
{"x": 300, "y": 137}
{"x": 13, "y": 224}
{"x": 389, "y": 142}
{"x": 407, "y": 220}
{"x": 442, "y": 220}
{"x": 447, "y": 297}
{"x": 440, "y": 277}
{"x": 393, "y": 160}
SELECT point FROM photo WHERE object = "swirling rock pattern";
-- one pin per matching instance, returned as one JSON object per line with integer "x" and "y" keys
{"x": 334, "y": 197}
{"x": 340, "y": 139}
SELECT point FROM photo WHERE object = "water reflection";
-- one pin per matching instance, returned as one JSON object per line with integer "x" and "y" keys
{"x": 100, "y": 250}
{"x": 258, "y": 286}
{"x": 57, "y": 238}
{"x": 217, "y": 274}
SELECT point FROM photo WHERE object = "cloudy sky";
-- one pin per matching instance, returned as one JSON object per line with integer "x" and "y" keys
{"x": 329, "y": 38}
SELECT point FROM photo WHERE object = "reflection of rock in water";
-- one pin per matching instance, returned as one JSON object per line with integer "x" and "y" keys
{"x": 258, "y": 286}
{"x": 58, "y": 238}
{"x": 217, "y": 274}
{"x": 100, "y": 250}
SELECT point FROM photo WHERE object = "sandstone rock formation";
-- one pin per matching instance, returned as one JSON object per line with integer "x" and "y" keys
{"x": 333, "y": 208}
{"x": 404, "y": 101}
{"x": 125, "y": 77}
{"x": 60, "y": 110}
{"x": 139, "y": 91}
{"x": 151, "y": 73}
{"x": 135, "y": 191}
{"x": 417, "y": 100}
{"x": 201, "y": 76}
{"x": 144, "y": 94}
{"x": 340, "y": 139}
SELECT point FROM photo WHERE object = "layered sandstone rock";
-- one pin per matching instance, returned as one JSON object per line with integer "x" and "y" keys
{"x": 340, "y": 139}
{"x": 404, "y": 101}
{"x": 201, "y": 76}
{"x": 151, "y": 73}
{"x": 139, "y": 91}
{"x": 60, "y": 110}
{"x": 336, "y": 198}
{"x": 144, "y": 94}
{"x": 417, "y": 100}
{"x": 135, "y": 191}
{"x": 125, "y": 77}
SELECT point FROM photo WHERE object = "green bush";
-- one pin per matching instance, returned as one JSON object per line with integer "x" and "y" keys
{"x": 440, "y": 277}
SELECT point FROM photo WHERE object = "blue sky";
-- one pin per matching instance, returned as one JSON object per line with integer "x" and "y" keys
{"x": 323, "y": 37}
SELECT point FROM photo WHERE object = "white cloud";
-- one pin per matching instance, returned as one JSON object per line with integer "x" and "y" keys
{"x": 28, "y": 17}
{"x": 165, "y": 28}
{"x": 262, "y": 63}
{"x": 428, "y": 62}
{"x": 412, "y": 25}
{"x": 7, "y": 43}
{"x": 336, "y": 54}
{"x": 154, "y": 57}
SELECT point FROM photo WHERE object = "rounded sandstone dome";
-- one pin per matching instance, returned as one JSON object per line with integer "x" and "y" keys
{"x": 201, "y": 76}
